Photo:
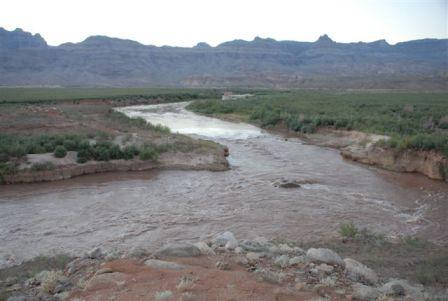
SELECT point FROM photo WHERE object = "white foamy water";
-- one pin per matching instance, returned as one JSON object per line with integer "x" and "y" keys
{"x": 182, "y": 121}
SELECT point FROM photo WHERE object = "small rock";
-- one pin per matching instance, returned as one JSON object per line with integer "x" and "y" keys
{"x": 282, "y": 261}
{"x": 95, "y": 253}
{"x": 238, "y": 250}
{"x": 397, "y": 290}
{"x": 231, "y": 244}
{"x": 287, "y": 183}
{"x": 160, "y": 264}
{"x": 325, "y": 268}
{"x": 363, "y": 292}
{"x": 204, "y": 248}
{"x": 179, "y": 250}
{"x": 325, "y": 256}
{"x": 252, "y": 256}
{"x": 392, "y": 287}
{"x": 358, "y": 272}
{"x": 223, "y": 265}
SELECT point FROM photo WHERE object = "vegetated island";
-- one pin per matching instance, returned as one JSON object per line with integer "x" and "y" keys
{"x": 399, "y": 131}
{"x": 53, "y": 134}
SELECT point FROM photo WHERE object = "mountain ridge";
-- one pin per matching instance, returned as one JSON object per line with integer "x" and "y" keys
{"x": 27, "y": 59}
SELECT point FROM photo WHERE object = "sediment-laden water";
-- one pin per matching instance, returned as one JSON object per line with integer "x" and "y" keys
{"x": 122, "y": 210}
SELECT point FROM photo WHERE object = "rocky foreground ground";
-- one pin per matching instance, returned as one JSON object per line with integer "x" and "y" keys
{"x": 222, "y": 268}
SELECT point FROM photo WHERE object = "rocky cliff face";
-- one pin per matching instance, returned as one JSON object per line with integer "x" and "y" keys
{"x": 102, "y": 61}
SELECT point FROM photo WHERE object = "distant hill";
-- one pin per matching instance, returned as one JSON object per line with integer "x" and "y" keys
{"x": 26, "y": 59}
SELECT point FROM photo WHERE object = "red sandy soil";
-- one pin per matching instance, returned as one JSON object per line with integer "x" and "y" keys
{"x": 131, "y": 280}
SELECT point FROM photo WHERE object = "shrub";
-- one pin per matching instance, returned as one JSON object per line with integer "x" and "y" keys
{"x": 148, "y": 153}
{"x": 129, "y": 152}
{"x": 348, "y": 230}
{"x": 433, "y": 271}
{"x": 102, "y": 153}
{"x": 60, "y": 151}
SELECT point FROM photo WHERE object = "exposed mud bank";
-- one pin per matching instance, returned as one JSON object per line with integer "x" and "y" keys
{"x": 66, "y": 168}
{"x": 362, "y": 147}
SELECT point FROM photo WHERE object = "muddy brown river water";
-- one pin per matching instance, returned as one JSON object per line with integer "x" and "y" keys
{"x": 122, "y": 210}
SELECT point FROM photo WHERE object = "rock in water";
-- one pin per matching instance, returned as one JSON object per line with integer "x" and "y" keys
{"x": 287, "y": 183}
{"x": 323, "y": 255}
{"x": 358, "y": 272}
{"x": 95, "y": 253}
{"x": 179, "y": 250}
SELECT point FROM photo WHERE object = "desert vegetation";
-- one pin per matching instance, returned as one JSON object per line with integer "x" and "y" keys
{"x": 413, "y": 120}
{"x": 54, "y": 95}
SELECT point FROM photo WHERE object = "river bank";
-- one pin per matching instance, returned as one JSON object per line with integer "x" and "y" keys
{"x": 72, "y": 123}
{"x": 365, "y": 148}
{"x": 369, "y": 149}
{"x": 219, "y": 267}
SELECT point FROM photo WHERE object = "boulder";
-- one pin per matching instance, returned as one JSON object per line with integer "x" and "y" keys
{"x": 179, "y": 250}
{"x": 160, "y": 264}
{"x": 95, "y": 253}
{"x": 226, "y": 239}
{"x": 252, "y": 256}
{"x": 287, "y": 183}
{"x": 323, "y": 255}
{"x": 395, "y": 287}
{"x": 363, "y": 292}
{"x": 358, "y": 272}
{"x": 204, "y": 248}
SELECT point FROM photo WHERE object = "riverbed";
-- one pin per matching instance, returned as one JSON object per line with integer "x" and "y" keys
{"x": 125, "y": 210}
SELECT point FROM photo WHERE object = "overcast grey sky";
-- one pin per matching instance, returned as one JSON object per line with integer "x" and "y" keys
{"x": 184, "y": 23}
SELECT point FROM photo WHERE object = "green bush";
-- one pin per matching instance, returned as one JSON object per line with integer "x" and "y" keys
{"x": 348, "y": 230}
{"x": 60, "y": 151}
{"x": 148, "y": 153}
{"x": 129, "y": 152}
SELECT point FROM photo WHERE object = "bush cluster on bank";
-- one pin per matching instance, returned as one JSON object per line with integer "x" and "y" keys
{"x": 137, "y": 122}
{"x": 97, "y": 148}
{"x": 413, "y": 120}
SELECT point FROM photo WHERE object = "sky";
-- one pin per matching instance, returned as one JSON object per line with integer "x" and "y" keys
{"x": 187, "y": 22}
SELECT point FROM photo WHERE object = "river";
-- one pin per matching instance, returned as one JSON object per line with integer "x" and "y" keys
{"x": 123, "y": 210}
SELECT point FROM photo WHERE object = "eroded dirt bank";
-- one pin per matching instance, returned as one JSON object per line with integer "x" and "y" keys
{"x": 364, "y": 148}
{"x": 212, "y": 159}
